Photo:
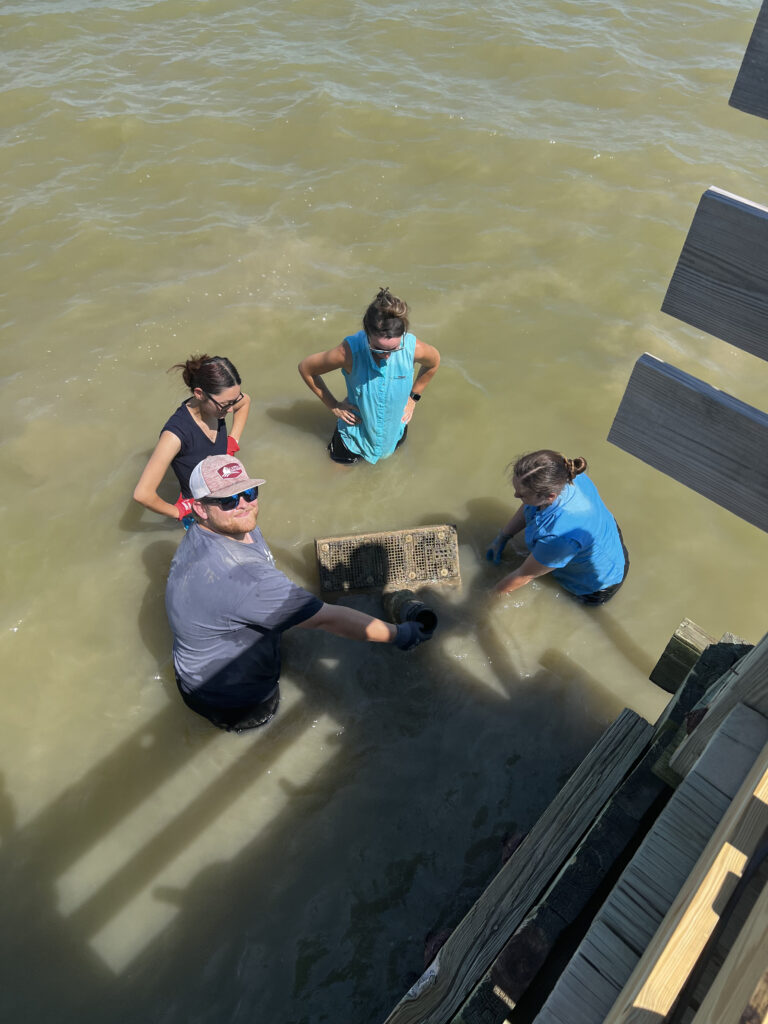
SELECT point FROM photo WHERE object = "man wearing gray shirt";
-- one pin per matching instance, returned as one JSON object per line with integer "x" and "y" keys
{"x": 228, "y": 604}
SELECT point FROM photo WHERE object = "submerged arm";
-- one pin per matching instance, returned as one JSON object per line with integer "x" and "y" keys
{"x": 524, "y": 574}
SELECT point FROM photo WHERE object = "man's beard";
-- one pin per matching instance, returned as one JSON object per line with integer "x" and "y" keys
{"x": 233, "y": 526}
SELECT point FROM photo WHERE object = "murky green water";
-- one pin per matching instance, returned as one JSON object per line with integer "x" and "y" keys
{"x": 240, "y": 179}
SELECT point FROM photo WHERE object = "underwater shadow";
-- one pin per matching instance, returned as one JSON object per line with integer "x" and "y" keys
{"x": 307, "y": 416}
{"x": 152, "y": 621}
{"x": 409, "y": 787}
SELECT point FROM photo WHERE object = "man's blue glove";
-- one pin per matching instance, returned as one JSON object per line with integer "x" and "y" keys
{"x": 410, "y": 635}
{"x": 499, "y": 542}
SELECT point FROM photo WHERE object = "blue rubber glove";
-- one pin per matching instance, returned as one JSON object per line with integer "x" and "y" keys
{"x": 499, "y": 542}
{"x": 410, "y": 635}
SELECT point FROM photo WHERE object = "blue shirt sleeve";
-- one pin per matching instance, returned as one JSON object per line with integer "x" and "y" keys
{"x": 554, "y": 552}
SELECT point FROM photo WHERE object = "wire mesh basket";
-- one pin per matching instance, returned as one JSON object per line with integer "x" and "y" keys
{"x": 389, "y": 560}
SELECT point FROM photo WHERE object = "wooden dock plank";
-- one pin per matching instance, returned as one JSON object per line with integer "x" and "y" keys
{"x": 480, "y": 935}
{"x": 750, "y": 91}
{"x": 720, "y": 283}
{"x": 663, "y": 969}
{"x": 746, "y": 683}
{"x": 698, "y": 435}
{"x": 733, "y": 920}
{"x": 647, "y": 888}
{"x": 618, "y": 826}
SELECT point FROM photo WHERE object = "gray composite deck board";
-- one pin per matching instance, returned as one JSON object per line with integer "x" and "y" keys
{"x": 698, "y": 435}
{"x": 720, "y": 283}
{"x": 750, "y": 91}
{"x": 636, "y": 906}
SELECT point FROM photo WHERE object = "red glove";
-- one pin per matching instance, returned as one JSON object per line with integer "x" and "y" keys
{"x": 184, "y": 505}
{"x": 232, "y": 446}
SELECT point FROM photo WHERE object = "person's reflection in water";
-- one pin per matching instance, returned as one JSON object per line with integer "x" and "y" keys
{"x": 228, "y": 605}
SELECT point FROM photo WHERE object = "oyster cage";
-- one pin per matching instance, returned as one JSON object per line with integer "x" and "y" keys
{"x": 389, "y": 561}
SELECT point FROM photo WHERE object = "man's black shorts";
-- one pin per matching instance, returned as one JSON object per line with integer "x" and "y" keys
{"x": 234, "y": 719}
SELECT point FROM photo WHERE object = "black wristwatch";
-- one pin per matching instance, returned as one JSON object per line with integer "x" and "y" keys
{"x": 415, "y": 397}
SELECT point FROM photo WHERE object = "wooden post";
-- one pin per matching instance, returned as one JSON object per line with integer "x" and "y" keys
{"x": 680, "y": 655}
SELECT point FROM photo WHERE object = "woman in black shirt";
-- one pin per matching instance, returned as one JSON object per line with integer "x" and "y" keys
{"x": 197, "y": 429}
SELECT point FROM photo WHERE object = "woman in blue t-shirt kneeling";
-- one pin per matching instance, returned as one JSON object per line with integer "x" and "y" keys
{"x": 568, "y": 530}
{"x": 196, "y": 430}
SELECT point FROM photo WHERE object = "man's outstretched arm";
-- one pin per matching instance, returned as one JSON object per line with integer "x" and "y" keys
{"x": 354, "y": 625}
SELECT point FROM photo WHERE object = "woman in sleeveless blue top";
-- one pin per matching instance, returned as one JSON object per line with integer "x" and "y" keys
{"x": 568, "y": 530}
{"x": 377, "y": 364}
{"x": 196, "y": 430}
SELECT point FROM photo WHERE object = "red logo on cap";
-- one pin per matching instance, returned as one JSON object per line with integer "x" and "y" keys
{"x": 232, "y": 469}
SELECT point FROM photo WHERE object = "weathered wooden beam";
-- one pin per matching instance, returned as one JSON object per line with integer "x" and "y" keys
{"x": 618, "y": 827}
{"x": 665, "y": 965}
{"x": 750, "y": 91}
{"x": 745, "y": 683}
{"x": 481, "y": 934}
{"x": 720, "y": 283}
{"x": 680, "y": 655}
{"x": 698, "y": 435}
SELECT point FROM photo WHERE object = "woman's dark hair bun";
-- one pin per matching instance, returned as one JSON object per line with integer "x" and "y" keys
{"x": 212, "y": 374}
